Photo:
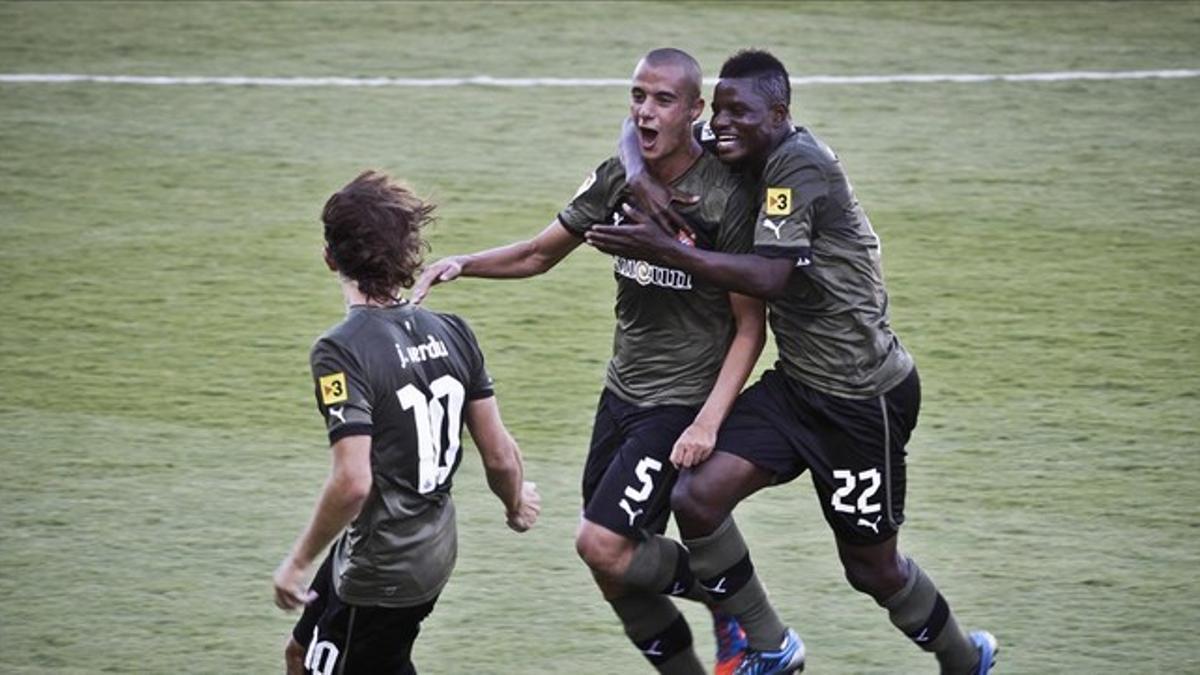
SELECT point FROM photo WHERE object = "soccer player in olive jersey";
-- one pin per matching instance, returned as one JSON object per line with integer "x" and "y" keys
{"x": 394, "y": 384}
{"x": 682, "y": 351}
{"x": 844, "y": 396}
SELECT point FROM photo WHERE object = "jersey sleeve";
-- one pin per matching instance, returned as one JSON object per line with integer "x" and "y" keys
{"x": 737, "y": 223}
{"x": 479, "y": 383}
{"x": 343, "y": 393}
{"x": 784, "y": 229}
{"x": 590, "y": 205}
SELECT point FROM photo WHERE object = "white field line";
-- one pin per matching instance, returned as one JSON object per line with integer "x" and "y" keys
{"x": 488, "y": 81}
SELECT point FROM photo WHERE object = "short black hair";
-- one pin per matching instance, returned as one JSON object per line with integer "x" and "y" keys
{"x": 770, "y": 77}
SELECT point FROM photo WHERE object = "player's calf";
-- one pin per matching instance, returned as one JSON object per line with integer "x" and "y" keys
{"x": 661, "y": 634}
{"x": 722, "y": 563}
{"x": 920, "y": 611}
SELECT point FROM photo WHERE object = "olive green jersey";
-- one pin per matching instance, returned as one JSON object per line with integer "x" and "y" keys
{"x": 673, "y": 330}
{"x": 831, "y": 325}
{"x": 400, "y": 375}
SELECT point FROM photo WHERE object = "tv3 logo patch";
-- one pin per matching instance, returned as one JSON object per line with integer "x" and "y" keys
{"x": 333, "y": 388}
{"x": 779, "y": 201}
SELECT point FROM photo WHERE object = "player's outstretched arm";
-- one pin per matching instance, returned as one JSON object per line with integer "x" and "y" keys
{"x": 651, "y": 195}
{"x": 698, "y": 440}
{"x": 514, "y": 261}
{"x": 502, "y": 463}
{"x": 341, "y": 499}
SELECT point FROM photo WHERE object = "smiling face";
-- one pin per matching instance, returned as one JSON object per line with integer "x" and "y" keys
{"x": 664, "y": 102}
{"x": 746, "y": 124}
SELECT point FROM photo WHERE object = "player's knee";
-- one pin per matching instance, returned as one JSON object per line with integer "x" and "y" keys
{"x": 878, "y": 579}
{"x": 293, "y": 656}
{"x": 601, "y": 553}
{"x": 693, "y": 506}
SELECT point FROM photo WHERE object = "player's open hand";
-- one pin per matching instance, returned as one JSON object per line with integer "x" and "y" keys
{"x": 695, "y": 445}
{"x": 527, "y": 513}
{"x": 639, "y": 239}
{"x": 446, "y": 269}
{"x": 290, "y": 589}
{"x": 656, "y": 200}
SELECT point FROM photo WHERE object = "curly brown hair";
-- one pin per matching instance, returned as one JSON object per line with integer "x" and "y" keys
{"x": 373, "y": 234}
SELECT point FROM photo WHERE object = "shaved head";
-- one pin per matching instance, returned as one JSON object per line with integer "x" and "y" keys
{"x": 668, "y": 56}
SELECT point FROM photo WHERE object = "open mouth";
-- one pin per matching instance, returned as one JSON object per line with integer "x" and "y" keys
{"x": 727, "y": 142}
{"x": 648, "y": 137}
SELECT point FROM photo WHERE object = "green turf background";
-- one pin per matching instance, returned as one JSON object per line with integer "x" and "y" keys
{"x": 160, "y": 286}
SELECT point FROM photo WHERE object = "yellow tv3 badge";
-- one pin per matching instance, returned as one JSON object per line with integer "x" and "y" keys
{"x": 333, "y": 388}
{"x": 779, "y": 201}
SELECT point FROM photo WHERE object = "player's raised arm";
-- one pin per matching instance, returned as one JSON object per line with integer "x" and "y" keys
{"x": 650, "y": 194}
{"x": 518, "y": 260}
{"x": 341, "y": 499}
{"x": 698, "y": 440}
{"x": 502, "y": 463}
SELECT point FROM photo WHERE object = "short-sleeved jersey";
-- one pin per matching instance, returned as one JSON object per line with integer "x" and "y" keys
{"x": 831, "y": 325}
{"x": 673, "y": 330}
{"x": 401, "y": 375}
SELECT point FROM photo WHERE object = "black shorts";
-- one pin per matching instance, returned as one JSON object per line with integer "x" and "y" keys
{"x": 628, "y": 476}
{"x": 343, "y": 639}
{"x": 854, "y": 448}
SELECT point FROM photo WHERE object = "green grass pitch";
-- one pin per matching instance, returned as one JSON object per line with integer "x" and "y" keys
{"x": 160, "y": 285}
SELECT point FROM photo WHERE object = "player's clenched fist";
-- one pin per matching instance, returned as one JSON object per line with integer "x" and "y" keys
{"x": 695, "y": 444}
{"x": 527, "y": 513}
{"x": 290, "y": 592}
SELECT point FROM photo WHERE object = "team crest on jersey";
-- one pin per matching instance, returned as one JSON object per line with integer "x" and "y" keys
{"x": 779, "y": 201}
{"x": 333, "y": 388}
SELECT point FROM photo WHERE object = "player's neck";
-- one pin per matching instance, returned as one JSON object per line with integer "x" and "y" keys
{"x": 354, "y": 296}
{"x": 755, "y": 165}
{"x": 670, "y": 167}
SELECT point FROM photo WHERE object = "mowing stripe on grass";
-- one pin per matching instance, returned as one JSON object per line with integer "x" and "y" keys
{"x": 489, "y": 81}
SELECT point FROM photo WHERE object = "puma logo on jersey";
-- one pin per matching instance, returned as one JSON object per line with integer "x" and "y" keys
{"x": 338, "y": 412}
{"x": 772, "y": 226}
{"x": 629, "y": 509}
{"x": 874, "y": 525}
{"x": 718, "y": 587}
{"x": 433, "y": 349}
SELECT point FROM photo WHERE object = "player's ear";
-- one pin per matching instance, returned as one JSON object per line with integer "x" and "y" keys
{"x": 780, "y": 114}
{"x": 328, "y": 259}
{"x": 697, "y": 108}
